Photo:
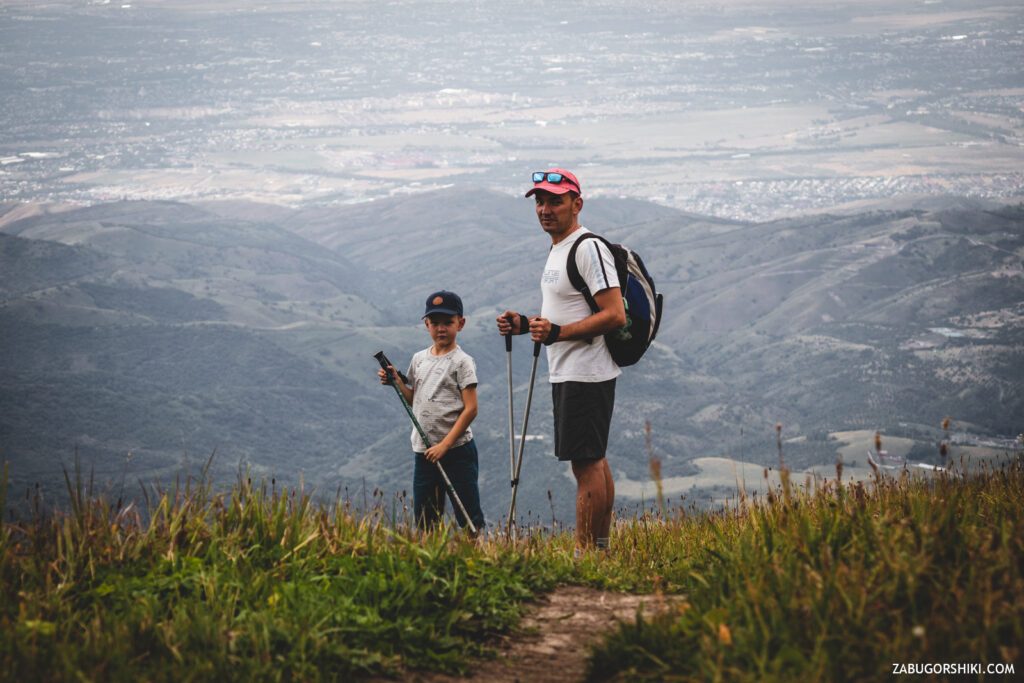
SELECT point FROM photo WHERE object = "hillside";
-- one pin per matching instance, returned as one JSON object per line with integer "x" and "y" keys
{"x": 889, "y": 318}
{"x": 256, "y": 582}
{"x": 147, "y": 335}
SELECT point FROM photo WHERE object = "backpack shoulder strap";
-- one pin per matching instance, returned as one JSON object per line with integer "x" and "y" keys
{"x": 573, "y": 271}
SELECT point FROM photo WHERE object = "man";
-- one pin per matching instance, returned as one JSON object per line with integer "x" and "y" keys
{"x": 580, "y": 368}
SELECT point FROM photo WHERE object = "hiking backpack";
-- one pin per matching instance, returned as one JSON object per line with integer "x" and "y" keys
{"x": 639, "y": 295}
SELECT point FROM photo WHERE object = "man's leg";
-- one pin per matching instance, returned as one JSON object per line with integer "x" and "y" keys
{"x": 583, "y": 413}
{"x": 593, "y": 504}
{"x": 606, "y": 521}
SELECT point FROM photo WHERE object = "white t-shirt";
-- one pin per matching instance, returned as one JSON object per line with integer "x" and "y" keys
{"x": 577, "y": 361}
{"x": 437, "y": 383}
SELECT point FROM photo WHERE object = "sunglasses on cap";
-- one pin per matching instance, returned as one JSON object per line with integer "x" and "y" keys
{"x": 553, "y": 178}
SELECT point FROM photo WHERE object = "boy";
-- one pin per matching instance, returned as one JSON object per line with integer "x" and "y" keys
{"x": 443, "y": 398}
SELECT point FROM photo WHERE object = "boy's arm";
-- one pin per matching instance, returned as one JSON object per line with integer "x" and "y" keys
{"x": 469, "y": 410}
{"x": 407, "y": 391}
{"x": 396, "y": 376}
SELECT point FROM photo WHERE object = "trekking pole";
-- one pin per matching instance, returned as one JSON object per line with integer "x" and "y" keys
{"x": 511, "y": 421}
{"x": 522, "y": 440}
{"x": 384, "y": 363}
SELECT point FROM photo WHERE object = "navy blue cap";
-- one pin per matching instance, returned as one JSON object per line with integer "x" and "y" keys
{"x": 444, "y": 302}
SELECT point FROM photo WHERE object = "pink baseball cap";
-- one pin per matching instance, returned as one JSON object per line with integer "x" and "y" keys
{"x": 555, "y": 181}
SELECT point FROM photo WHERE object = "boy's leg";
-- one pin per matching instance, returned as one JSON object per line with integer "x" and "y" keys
{"x": 427, "y": 493}
{"x": 463, "y": 468}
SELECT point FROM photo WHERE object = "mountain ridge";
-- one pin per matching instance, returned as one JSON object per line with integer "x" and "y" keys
{"x": 254, "y": 337}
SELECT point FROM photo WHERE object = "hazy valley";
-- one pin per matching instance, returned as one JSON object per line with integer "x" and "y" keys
{"x": 145, "y": 336}
{"x": 752, "y": 109}
{"x": 215, "y": 213}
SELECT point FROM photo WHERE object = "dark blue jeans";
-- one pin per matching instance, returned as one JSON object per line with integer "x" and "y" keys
{"x": 428, "y": 489}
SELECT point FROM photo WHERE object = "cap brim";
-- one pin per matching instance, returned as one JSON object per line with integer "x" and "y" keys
{"x": 443, "y": 311}
{"x": 561, "y": 188}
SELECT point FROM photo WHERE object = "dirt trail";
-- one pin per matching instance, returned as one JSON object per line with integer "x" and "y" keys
{"x": 551, "y": 642}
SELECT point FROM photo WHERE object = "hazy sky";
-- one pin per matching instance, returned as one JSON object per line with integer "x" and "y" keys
{"x": 737, "y": 109}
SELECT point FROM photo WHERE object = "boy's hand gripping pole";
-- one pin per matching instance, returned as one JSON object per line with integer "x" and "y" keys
{"x": 384, "y": 363}
{"x": 522, "y": 441}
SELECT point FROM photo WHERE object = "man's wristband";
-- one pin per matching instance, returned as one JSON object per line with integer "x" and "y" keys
{"x": 524, "y": 324}
{"x": 553, "y": 334}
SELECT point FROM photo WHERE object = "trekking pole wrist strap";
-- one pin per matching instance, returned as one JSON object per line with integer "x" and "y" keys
{"x": 553, "y": 334}
{"x": 524, "y": 324}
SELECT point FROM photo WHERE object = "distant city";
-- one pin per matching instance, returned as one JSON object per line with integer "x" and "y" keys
{"x": 749, "y": 110}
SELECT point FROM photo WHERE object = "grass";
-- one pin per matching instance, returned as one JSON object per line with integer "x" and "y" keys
{"x": 250, "y": 585}
{"x": 827, "y": 583}
{"x": 831, "y": 584}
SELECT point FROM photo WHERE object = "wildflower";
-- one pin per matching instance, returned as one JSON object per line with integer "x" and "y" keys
{"x": 778, "y": 444}
{"x": 918, "y": 630}
{"x": 655, "y": 464}
{"x": 724, "y": 635}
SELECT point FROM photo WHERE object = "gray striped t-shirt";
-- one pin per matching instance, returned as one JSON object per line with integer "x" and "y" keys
{"x": 437, "y": 384}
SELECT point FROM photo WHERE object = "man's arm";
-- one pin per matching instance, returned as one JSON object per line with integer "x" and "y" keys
{"x": 610, "y": 316}
{"x": 469, "y": 410}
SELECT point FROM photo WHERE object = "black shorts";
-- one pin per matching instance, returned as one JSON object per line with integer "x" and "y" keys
{"x": 583, "y": 415}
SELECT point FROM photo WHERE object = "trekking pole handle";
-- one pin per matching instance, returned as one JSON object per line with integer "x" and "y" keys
{"x": 536, "y": 348}
{"x": 508, "y": 337}
{"x": 384, "y": 363}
